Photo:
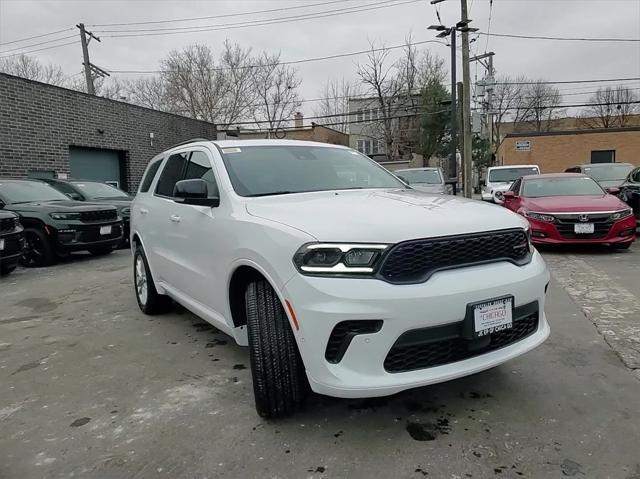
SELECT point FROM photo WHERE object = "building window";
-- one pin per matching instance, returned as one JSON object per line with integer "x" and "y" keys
{"x": 370, "y": 147}
{"x": 603, "y": 156}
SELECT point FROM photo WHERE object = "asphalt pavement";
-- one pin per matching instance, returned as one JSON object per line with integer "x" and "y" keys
{"x": 93, "y": 388}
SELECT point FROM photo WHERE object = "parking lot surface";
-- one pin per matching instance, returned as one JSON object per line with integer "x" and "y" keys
{"x": 93, "y": 388}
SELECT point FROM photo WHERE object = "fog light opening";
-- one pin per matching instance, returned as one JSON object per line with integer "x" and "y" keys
{"x": 538, "y": 234}
{"x": 627, "y": 232}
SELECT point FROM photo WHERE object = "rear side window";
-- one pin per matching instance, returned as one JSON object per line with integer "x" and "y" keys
{"x": 635, "y": 176}
{"x": 171, "y": 174}
{"x": 149, "y": 176}
{"x": 199, "y": 167}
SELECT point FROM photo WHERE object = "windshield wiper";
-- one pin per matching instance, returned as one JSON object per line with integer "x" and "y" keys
{"x": 273, "y": 193}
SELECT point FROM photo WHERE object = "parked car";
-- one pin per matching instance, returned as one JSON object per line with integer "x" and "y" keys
{"x": 352, "y": 284}
{"x": 96, "y": 192}
{"x": 630, "y": 191}
{"x": 500, "y": 179}
{"x": 429, "y": 180}
{"x": 55, "y": 225}
{"x": 571, "y": 208}
{"x": 609, "y": 175}
{"x": 11, "y": 241}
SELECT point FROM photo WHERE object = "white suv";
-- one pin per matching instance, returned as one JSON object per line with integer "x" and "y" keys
{"x": 336, "y": 274}
{"x": 500, "y": 179}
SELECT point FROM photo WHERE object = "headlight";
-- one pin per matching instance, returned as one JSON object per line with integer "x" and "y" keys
{"x": 16, "y": 222}
{"x": 65, "y": 216}
{"x": 539, "y": 217}
{"x": 338, "y": 258}
{"x": 618, "y": 215}
{"x": 125, "y": 211}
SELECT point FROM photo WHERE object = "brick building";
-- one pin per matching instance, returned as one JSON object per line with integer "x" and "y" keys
{"x": 51, "y": 131}
{"x": 557, "y": 150}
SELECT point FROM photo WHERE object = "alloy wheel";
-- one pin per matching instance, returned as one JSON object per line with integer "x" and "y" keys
{"x": 141, "y": 280}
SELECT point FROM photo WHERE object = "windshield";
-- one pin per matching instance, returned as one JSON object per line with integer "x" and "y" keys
{"x": 570, "y": 186}
{"x": 271, "y": 170}
{"x": 28, "y": 191}
{"x": 608, "y": 173}
{"x": 430, "y": 177}
{"x": 507, "y": 175}
{"x": 99, "y": 190}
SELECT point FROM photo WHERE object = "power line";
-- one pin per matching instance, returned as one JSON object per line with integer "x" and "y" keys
{"x": 40, "y": 49}
{"x": 256, "y": 23}
{"x": 36, "y": 36}
{"x": 174, "y": 20}
{"x": 566, "y": 39}
{"x": 37, "y": 44}
{"x": 486, "y": 45}
{"x": 545, "y": 82}
{"x": 291, "y": 62}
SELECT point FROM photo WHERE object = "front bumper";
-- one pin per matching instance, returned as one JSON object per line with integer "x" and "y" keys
{"x": 13, "y": 247}
{"x": 82, "y": 236}
{"x": 321, "y": 303}
{"x": 621, "y": 231}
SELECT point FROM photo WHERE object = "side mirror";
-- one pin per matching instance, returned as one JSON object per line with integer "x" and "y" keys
{"x": 508, "y": 195}
{"x": 613, "y": 190}
{"x": 403, "y": 179}
{"x": 194, "y": 192}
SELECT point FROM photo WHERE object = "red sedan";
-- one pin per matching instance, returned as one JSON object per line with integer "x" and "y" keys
{"x": 571, "y": 208}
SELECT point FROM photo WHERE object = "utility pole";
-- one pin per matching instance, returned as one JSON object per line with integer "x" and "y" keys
{"x": 490, "y": 109}
{"x": 453, "y": 161}
{"x": 467, "y": 158}
{"x": 89, "y": 68}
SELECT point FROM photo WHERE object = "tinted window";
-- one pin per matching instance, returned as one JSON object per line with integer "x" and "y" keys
{"x": 268, "y": 170}
{"x": 99, "y": 191}
{"x": 199, "y": 167}
{"x": 149, "y": 176}
{"x": 67, "y": 190}
{"x": 568, "y": 186}
{"x": 171, "y": 174}
{"x": 515, "y": 187}
{"x": 635, "y": 176}
{"x": 28, "y": 191}
{"x": 507, "y": 175}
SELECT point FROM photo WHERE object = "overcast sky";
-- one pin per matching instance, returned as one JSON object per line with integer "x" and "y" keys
{"x": 551, "y": 60}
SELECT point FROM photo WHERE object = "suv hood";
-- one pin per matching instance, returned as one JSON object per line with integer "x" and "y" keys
{"x": 57, "y": 207}
{"x": 575, "y": 204}
{"x": 381, "y": 216}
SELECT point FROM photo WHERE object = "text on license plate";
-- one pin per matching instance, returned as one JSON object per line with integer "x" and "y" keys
{"x": 493, "y": 316}
{"x": 583, "y": 228}
{"x": 105, "y": 230}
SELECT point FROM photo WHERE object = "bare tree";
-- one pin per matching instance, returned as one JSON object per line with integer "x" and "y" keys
{"x": 149, "y": 92}
{"x": 31, "y": 68}
{"x": 537, "y": 106}
{"x": 276, "y": 89}
{"x": 507, "y": 95}
{"x": 610, "y": 107}
{"x": 335, "y": 96}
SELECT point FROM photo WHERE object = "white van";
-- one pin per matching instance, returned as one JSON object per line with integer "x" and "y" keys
{"x": 500, "y": 179}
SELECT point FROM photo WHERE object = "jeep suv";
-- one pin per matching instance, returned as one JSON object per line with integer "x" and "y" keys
{"x": 334, "y": 273}
{"x": 11, "y": 241}
{"x": 56, "y": 226}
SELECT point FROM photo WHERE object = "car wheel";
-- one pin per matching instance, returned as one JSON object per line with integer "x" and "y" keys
{"x": 279, "y": 379}
{"x": 6, "y": 269}
{"x": 149, "y": 300}
{"x": 38, "y": 250}
{"x": 101, "y": 251}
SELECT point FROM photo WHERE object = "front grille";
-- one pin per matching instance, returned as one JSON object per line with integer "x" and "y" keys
{"x": 90, "y": 235}
{"x": 12, "y": 245}
{"x": 601, "y": 223}
{"x": 98, "y": 215}
{"x": 409, "y": 355}
{"x": 416, "y": 260}
{"x": 7, "y": 224}
{"x": 342, "y": 335}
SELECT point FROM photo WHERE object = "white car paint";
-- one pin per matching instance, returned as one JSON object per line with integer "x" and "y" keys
{"x": 192, "y": 259}
{"x": 493, "y": 190}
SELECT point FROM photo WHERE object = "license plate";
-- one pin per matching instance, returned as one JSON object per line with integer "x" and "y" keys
{"x": 1, "y": 244}
{"x": 583, "y": 228}
{"x": 493, "y": 316}
{"x": 105, "y": 230}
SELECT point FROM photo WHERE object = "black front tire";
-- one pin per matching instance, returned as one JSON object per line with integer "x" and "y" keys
{"x": 101, "y": 250}
{"x": 279, "y": 379}
{"x": 151, "y": 302}
{"x": 38, "y": 250}
{"x": 5, "y": 269}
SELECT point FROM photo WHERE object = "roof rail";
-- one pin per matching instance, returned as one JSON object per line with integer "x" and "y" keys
{"x": 186, "y": 142}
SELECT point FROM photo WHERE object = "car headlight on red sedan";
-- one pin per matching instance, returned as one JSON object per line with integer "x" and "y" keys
{"x": 539, "y": 216}
{"x": 618, "y": 215}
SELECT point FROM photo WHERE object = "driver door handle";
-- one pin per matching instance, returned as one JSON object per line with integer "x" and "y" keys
{"x": 175, "y": 218}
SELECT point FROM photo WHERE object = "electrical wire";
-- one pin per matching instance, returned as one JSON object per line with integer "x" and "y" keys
{"x": 257, "y": 23}
{"x": 567, "y": 39}
{"x": 36, "y": 36}
{"x": 545, "y": 82}
{"x": 37, "y": 44}
{"x": 174, "y": 20}
{"x": 486, "y": 45}
{"x": 291, "y": 62}
{"x": 40, "y": 49}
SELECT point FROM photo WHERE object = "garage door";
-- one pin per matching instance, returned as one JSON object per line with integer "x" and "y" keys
{"x": 97, "y": 165}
